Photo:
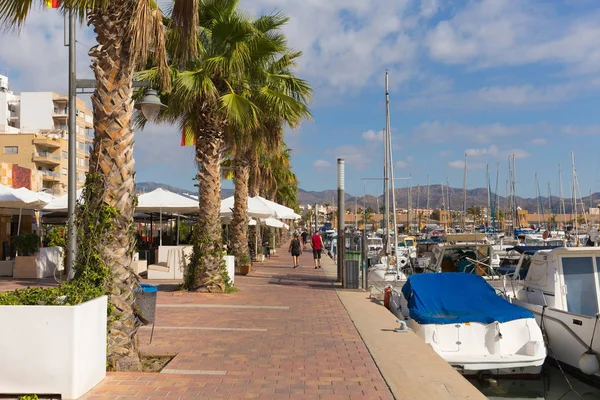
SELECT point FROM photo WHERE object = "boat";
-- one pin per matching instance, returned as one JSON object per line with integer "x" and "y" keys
{"x": 469, "y": 325}
{"x": 561, "y": 289}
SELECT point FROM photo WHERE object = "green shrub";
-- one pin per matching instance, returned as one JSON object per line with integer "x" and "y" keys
{"x": 56, "y": 237}
{"x": 26, "y": 244}
{"x": 243, "y": 260}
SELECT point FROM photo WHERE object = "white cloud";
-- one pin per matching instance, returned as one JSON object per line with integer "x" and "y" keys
{"x": 35, "y": 59}
{"x": 512, "y": 96}
{"x": 518, "y": 153}
{"x": 372, "y": 135}
{"x": 460, "y": 164}
{"x": 435, "y": 131}
{"x": 347, "y": 43}
{"x": 493, "y": 33}
{"x": 429, "y": 8}
{"x": 322, "y": 164}
{"x": 359, "y": 157}
{"x": 406, "y": 163}
{"x": 489, "y": 151}
{"x": 581, "y": 130}
{"x": 539, "y": 142}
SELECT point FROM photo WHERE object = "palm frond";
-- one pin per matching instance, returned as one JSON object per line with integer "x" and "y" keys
{"x": 239, "y": 111}
{"x": 185, "y": 20}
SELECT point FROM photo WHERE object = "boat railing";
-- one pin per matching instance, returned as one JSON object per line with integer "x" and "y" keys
{"x": 487, "y": 269}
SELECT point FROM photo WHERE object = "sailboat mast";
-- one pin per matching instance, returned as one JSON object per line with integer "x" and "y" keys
{"x": 574, "y": 194}
{"x": 386, "y": 195}
{"x": 550, "y": 206}
{"x": 392, "y": 180}
{"x": 537, "y": 195}
{"x": 489, "y": 204}
{"x": 428, "y": 213}
{"x": 561, "y": 204}
{"x": 448, "y": 198}
{"x": 409, "y": 204}
{"x": 464, "y": 208}
{"x": 497, "y": 202}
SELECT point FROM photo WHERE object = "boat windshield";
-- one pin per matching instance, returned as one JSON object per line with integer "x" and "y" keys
{"x": 578, "y": 275}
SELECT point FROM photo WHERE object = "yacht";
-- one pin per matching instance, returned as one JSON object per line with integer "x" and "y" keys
{"x": 469, "y": 325}
{"x": 561, "y": 288}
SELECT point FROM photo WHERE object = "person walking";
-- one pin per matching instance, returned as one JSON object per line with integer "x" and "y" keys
{"x": 295, "y": 249}
{"x": 317, "y": 246}
{"x": 304, "y": 239}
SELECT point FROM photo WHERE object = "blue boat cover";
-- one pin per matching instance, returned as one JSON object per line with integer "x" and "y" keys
{"x": 455, "y": 297}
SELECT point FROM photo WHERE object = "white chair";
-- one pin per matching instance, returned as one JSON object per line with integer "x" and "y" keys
{"x": 166, "y": 269}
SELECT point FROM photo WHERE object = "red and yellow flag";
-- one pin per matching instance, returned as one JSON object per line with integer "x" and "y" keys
{"x": 187, "y": 136}
{"x": 52, "y": 3}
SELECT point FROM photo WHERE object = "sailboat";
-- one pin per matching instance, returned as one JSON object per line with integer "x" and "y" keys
{"x": 391, "y": 263}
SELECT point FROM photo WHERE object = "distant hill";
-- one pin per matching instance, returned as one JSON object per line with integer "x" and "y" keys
{"x": 475, "y": 197}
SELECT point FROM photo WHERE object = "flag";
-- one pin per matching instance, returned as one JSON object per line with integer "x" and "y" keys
{"x": 187, "y": 136}
{"x": 52, "y": 3}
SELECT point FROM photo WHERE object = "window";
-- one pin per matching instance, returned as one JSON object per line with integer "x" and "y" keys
{"x": 581, "y": 286}
{"x": 11, "y": 149}
{"x": 81, "y": 146}
{"x": 63, "y": 171}
{"x": 65, "y": 154}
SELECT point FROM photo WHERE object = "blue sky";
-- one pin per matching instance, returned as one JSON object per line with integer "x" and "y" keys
{"x": 485, "y": 77}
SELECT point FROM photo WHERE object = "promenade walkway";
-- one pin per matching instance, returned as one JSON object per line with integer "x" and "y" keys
{"x": 284, "y": 335}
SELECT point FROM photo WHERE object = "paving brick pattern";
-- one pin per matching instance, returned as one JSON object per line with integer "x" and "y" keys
{"x": 310, "y": 350}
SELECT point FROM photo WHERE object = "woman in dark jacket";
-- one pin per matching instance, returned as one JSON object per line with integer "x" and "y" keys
{"x": 295, "y": 249}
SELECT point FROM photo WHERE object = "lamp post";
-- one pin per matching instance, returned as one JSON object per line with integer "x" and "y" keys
{"x": 150, "y": 106}
{"x": 341, "y": 246}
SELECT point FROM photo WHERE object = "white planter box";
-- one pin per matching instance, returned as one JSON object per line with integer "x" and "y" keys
{"x": 230, "y": 264}
{"x": 53, "y": 349}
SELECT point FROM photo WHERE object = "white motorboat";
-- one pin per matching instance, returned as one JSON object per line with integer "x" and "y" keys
{"x": 469, "y": 325}
{"x": 562, "y": 290}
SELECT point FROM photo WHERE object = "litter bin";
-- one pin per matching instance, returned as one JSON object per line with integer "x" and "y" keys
{"x": 352, "y": 255}
{"x": 145, "y": 301}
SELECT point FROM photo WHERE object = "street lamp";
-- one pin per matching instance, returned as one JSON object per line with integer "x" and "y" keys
{"x": 150, "y": 105}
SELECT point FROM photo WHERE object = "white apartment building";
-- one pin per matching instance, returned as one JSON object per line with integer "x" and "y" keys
{"x": 34, "y": 136}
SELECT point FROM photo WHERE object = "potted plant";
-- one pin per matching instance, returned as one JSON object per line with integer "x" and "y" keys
{"x": 26, "y": 246}
{"x": 33, "y": 320}
{"x": 243, "y": 265}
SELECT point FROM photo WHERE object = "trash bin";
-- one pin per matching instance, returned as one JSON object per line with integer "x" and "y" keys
{"x": 352, "y": 255}
{"x": 145, "y": 300}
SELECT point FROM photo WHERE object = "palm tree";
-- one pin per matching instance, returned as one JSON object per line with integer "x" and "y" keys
{"x": 292, "y": 94}
{"x": 216, "y": 95}
{"x": 129, "y": 35}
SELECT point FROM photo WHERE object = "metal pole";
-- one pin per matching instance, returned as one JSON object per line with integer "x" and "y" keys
{"x": 341, "y": 206}
{"x": 72, "y": 163}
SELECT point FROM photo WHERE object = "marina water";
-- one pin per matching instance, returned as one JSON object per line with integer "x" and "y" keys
{"x": 552, "y": 385}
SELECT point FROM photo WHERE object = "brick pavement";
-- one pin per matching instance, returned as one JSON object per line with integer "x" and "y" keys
{"x": 292, "y": 340}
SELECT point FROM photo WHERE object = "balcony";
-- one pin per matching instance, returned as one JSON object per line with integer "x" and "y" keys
{"x": 60, "y": 112}
{"x": 44, "y": 157}
{"x": 50, "y": 176}
{"x": 47, "y": 142}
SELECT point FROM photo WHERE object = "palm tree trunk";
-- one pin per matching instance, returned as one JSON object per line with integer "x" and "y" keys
{"x": 253, "y": 191}
{"x": 239, "y": 223}
{"x": 112, "y": 158}
{"x": 207, "y": 270}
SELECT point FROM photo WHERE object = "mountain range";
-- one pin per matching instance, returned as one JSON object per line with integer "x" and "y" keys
{"x": 475, "y": 197}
